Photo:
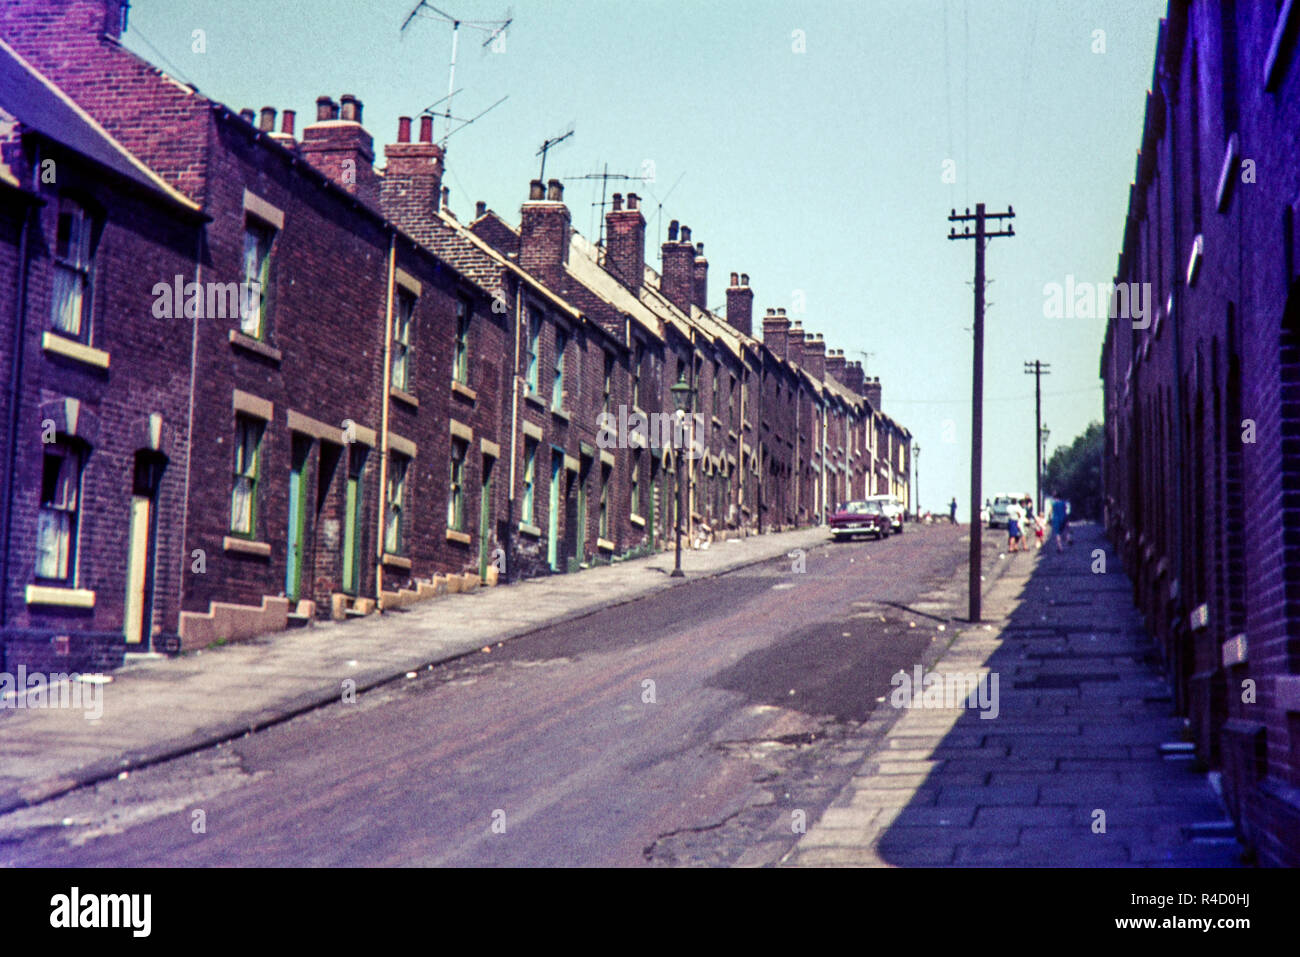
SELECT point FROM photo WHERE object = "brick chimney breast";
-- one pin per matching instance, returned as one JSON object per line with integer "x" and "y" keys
{"x": 341, "y": 148}
{"x": 836, "y": 366}
{"x": 678, "y": 280}
{"x": 411, "y": 188}
{"x": 814, "y": 355}
{"x": 776, "y": 333}
{"x": 871, "y": 389}
{"x": 544, "y": 231}
{"x": 740, "y": 305}
{"x": 701, "y": 277}
{"x": 625, "y": 246}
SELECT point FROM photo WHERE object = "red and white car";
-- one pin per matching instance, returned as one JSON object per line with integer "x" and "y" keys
{"x": 859, "y": 518}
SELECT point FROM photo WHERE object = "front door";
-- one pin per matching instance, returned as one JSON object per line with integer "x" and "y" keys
{"x": 485, "y": 517}
{"x": 138, "y": 615}
{"x": 353, "y": 515}
{"x": 297, "y": 518}
{"x": 553, "y": 513}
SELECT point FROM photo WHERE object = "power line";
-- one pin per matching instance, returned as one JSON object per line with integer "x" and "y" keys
{"x": 1006, "y": 398}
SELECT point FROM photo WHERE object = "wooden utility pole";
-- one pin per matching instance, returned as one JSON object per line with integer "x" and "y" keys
{"x": 981, "y": 235}
{"x": 1038, "y": 369}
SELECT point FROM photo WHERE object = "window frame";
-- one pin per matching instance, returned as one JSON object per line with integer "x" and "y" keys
{"x": 403, "y": 352}
{"x": 557, "y": 380}
{"x": 252, "y": 477}
{"x": 534, "y": 349}
{"x": 82, "y": 271}
{"x": 606, "y": 473}
{"x": 259, "y": 229}
{"x": 395, "y": 515}
{"x": 75, "y": 452}
{"x": 528, "y": 509}
{"x": 460, "y": 357}
{"x": 456, "y": 484}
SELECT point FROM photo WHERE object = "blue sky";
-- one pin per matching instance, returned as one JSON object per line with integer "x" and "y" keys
{"x": 817, "y": 172}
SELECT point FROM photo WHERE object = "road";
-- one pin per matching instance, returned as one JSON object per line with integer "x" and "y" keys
{"x": 686, "y": 728}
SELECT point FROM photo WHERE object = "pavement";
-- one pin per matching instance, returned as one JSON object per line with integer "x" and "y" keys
{"x": 159, "y": 709}
{"x": 1077, "y": 760}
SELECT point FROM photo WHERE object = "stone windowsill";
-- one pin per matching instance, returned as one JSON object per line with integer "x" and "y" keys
{"x": 455, "y": 536}
{"x": 403, "y": 396}
{"x": 71, "y": 349}
{"x": 535, "y": 399}
{"x": 461, "y": 389}
{"x": 564, "y": 414}
{"x": 61, "y": 597}
{"x": 526, "y": 528}
{"x": 397, "y": 561}
{"x": 257, "y": 346}
{"x": 246, "y": 546}
{"x": 604, "y": 544}
{"x": 637, "y": 520}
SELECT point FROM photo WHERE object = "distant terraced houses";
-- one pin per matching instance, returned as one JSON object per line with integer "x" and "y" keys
{"x": 404, "y": 401}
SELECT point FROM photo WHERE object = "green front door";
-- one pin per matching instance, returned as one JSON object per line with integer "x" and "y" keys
{"x": 297, "y": 518}
{"x": 485, "y": 517}
{"x": 353, "y": 516}
{"x": 553, "y": 513}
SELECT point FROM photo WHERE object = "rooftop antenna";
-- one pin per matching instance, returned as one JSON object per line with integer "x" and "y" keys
{"x": 493, "y": 29}
{"x": 659, "y": 215}
{"x": 548, "y": 144}
{"x": 866, "y": 356}
{"x": 604, "y": 178}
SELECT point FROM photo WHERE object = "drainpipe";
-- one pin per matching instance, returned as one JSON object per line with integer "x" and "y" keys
{"x": 15, "y": 378}
{"x": 383, "y": 425}
{"x": 514, "y": 432}
{"x": 189, "y": 443}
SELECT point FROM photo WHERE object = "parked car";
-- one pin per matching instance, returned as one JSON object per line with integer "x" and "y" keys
{"x": 893, "y": 508}
{"x": 998, "y": 512}
{"x": 859, "y": 518}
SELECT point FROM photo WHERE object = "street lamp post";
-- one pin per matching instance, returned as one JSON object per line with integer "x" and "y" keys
{"x": 916, "y": 473}
{"x": 683, "y": 396}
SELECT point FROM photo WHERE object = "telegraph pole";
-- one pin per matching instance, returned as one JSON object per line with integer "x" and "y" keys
{"x": 1038, "y": 369}
{"x": 981, "y": 235}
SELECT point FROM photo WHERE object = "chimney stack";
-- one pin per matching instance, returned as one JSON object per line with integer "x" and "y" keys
{"x": 776, "y": 333}
{"x": 797, "y": 337}
{"x": 853, "y": 377}
{"x": 678, "y": 280}
{"x": 480, "y": 209}
{"x": 814, "y": 355}
{"x": 544, "y": 230}
{"x": 342, "y": 149}
{"x": 625, "y": 245}
{"x": 740, "y": 304}
{"x": 411, "y": 188}
{"x": 836, "y": 366}
{"x": 871, "y": 389}
{"x": 701, "y": 277}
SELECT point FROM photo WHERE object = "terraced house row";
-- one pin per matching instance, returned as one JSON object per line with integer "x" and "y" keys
{"x": 253, "y": 379}
{"x": 1201, "y": 465}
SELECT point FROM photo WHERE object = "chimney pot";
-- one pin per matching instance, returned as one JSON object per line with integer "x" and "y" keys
{"x": 426, "y": 129}
{"x": 286, "y": 122}
{"x": 249, "y": 116}
{"x": 403, "y": 129}
{"x": 536, "y": 190}
{"x": 618, "y": 201}
{"x": 672, "y": 231}
{"x": 446, "y": 192}
{"x": 554, "y": 191}
{"x": 351, "y": 108}
{"x": 781, "y": 312}
{"x": 325, "y": 109}
{"x": 771, "y": 312}
{"x": 686, "y": 234}
{"x": 699, "y": 249}
{"x": 633, "y": 201}
{"x": 266, "y": 122}
{"x": 480, "y": 209}
{"x": 735, "y": 280}
{"x": 744, "y": 279}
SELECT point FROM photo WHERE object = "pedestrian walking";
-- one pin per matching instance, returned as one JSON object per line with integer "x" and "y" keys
{"x": 952, "y": 511}
{"x": 1014, "y": 516}
{"x": 1058, "y": 523}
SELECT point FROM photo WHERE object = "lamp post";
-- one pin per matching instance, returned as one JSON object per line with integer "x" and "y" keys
{"x": 916, "y": 474}
{"x": 683, "y": 397}
{"x": 1042, "y": 444}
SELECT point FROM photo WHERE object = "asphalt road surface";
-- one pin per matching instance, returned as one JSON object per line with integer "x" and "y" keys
{"x": 678, "y": 729}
